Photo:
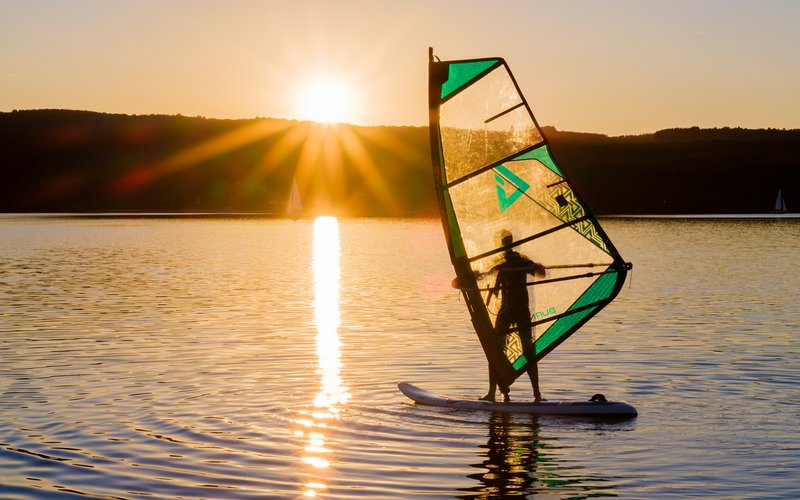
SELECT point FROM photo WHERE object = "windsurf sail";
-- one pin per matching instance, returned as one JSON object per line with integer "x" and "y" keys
{"x": 294, "y": 206}
{"x": 495, "y": 175}
{"x": 780, "y": 204}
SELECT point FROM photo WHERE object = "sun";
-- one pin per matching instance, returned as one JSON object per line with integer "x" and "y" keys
{"x": 326, "y": 100}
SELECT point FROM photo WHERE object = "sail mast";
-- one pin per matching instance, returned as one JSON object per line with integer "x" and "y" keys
{"x": 437, "y": 75}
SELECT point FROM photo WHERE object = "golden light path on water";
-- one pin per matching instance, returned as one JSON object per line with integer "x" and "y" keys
{"x": 332, "y": 395}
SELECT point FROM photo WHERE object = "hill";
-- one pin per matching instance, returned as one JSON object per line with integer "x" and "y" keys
{"x": 81, "y": 161}
{"x": 683, "y": 171}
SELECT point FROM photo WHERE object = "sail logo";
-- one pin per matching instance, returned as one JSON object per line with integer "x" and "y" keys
{"x": 510, "y": 188}
{"x": 544, "y": 314}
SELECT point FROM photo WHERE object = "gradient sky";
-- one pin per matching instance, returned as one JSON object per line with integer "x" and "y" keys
{"x": 615, "y": 67}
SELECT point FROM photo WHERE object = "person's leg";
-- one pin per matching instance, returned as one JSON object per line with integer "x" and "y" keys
{"x": 490, "y": 396}
{"x": 533, "y": 374}
{"x": 501, "y": 325}
{"x": 506, "y": 393}
{"x": 526, "y": 335}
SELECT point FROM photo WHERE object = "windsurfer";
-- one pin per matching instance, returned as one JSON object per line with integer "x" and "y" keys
{"x": 511, "y": 286}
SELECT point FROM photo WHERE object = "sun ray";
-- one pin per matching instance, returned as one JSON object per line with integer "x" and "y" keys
{"x": 277, "y": 155}
{"x": 340, "y": 169}
{"x": 382, "y": 136}
{"x": 368, "y": 169}
{"x": 193, "y": 155}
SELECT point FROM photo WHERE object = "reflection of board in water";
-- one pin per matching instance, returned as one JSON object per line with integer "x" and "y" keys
{"x": 576, "y": 408}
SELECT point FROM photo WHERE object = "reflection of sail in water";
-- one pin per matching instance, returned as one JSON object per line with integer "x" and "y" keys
{"x": 518, "y": 462}
{"x": 332, "y": 395}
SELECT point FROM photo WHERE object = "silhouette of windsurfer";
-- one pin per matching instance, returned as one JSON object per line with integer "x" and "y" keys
{"x": 511, "y": 287}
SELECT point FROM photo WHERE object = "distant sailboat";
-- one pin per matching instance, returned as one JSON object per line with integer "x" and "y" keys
{"x": 294, "y": 206}
{"x": 780, "y": 204}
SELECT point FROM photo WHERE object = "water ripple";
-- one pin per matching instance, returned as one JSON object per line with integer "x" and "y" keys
{"x": 172, "y": 358}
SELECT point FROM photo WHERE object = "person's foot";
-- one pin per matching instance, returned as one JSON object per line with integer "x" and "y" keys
{"x": 488, "y": 397}
{"x": 537, "y": 398}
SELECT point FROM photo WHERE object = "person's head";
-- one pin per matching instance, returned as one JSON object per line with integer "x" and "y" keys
{"x": 504, "y": 237}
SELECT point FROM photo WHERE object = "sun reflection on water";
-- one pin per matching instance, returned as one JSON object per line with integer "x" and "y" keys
{"x": 332, "y": 395}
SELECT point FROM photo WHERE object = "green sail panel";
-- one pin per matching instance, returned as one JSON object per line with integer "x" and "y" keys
{"x": 459, "y": 74}
{"x": 585, "y": 307}
{"x": 542, "y": 154}
{"x": 496, "y": 178}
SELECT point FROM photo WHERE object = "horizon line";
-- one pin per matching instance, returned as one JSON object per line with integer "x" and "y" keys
{"x": 333, "y": 124}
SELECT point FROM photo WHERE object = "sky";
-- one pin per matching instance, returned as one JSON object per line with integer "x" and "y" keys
{"x": 612, "y": 67}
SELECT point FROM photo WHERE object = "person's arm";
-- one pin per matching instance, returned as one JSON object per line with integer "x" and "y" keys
{"x": 535, "y": 269}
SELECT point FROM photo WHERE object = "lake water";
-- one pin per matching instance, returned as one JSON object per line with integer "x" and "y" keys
{"x": 232, "y": 358}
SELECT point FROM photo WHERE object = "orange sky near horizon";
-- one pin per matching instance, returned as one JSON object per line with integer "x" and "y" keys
{"x": 622, "y": 67}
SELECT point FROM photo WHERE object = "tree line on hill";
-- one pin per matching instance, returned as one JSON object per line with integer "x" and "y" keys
{"x": 81, "y": 161}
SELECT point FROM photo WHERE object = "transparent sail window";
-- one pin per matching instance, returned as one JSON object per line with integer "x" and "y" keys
{"x": 485, "y": 123}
